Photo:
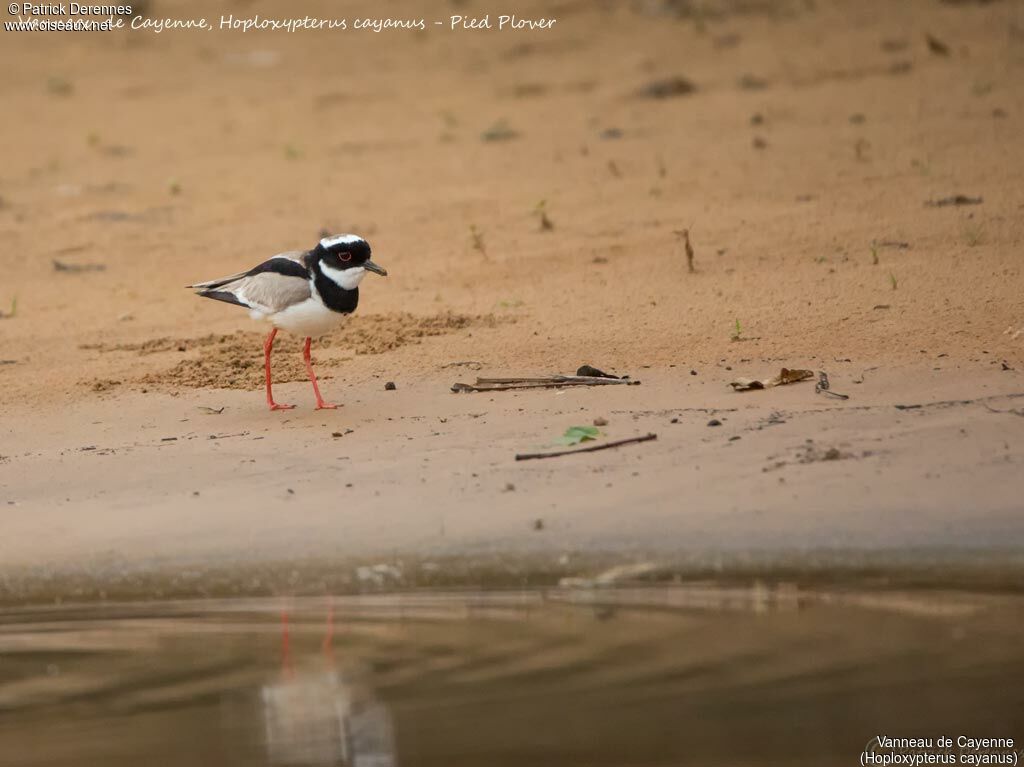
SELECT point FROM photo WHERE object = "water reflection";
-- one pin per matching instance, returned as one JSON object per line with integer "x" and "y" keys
{"x": 323, "y": 717}
{"x": 706, "y": 674}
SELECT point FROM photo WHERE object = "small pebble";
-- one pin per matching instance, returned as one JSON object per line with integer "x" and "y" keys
{"x": 599, "y": 421}
{"x": 714, "y": 422}
{"x": 538, "y": 524}
{"x": 509, "y": 487}
{"x": 390, "y": 386}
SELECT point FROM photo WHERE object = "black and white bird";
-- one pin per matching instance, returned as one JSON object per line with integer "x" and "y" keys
{"x": 302, "y": 292}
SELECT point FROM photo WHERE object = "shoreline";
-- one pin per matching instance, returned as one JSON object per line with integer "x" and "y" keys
{"x": 912, "y": 479}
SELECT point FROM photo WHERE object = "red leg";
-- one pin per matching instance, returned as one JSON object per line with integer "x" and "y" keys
{"x": 286, "y": 655}
{"x": 268, "y": 346}
{"x": 320, "y": 404}
{"x": 328, "y": 645}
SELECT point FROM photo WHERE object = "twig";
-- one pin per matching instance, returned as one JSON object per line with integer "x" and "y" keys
{"x": 833, "y": 394}
{"x": 226, "y": 436}
{"x": 1012, "y": 411}
{"x": 823, "y": 387}
{"x": 590, "y": 449}
{"x": 545, "y": 382}
{"x": 684, "y": 235}
{"x": 586, "y": 380}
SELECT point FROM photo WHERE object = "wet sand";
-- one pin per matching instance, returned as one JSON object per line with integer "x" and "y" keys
{"x": 137, "y": 490}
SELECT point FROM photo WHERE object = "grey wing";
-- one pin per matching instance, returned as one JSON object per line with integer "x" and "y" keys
{"x": 266, "y": 292}
{"x": 291, "y": 255}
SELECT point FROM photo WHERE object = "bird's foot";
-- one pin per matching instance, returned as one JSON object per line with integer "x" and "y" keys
{"x": 278, "y": 406}
{"x": 321, "y": 405}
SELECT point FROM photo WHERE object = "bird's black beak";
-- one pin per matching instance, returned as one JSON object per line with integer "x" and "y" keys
{"x": 375, "y": 268}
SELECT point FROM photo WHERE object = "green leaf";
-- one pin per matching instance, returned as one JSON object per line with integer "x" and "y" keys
{"x": 576, "y": 434}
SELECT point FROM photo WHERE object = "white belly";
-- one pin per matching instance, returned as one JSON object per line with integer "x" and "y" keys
{"x": 310, "y": 318}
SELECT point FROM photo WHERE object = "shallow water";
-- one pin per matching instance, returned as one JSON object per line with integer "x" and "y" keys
{"x": 695, "y": 675}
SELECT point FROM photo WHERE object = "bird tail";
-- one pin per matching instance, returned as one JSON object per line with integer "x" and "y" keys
{"x": 214, "y": 284}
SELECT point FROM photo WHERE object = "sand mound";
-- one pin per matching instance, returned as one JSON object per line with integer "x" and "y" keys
{"x": 236, "y": 361}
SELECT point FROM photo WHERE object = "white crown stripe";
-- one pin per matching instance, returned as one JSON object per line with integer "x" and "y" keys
{"x": 340, "y": 239}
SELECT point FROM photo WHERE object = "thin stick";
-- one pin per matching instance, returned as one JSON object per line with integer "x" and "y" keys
{"x": 551, "y": 382}
{"x": 590, "y": 449}
{"x": 587, "y": 380}
{"x": 524, "y": 385}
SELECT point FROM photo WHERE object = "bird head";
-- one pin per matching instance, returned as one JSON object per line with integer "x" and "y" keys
{"x": 345, "y": 259}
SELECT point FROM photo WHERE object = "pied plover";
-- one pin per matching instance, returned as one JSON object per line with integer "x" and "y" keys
{"x": 302, "y": 292}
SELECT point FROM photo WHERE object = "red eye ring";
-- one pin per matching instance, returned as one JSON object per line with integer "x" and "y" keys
{"x": 345, "y": 256}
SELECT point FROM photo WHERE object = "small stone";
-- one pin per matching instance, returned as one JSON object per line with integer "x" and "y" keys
{"x": 390, "y": 386}
{"x": 509, "y": 488}
{"x": 538, "y": 524}
{"x": 693, "y": 372}
{"x": 714, "y": 422}
{"x": 599, "y": 421}
{"x": 674, "y": 420}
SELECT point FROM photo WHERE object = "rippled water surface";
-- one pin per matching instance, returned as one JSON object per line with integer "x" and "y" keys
{"x": 684, "y": 675}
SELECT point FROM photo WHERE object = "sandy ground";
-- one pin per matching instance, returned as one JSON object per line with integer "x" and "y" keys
{"x": 803, "y": 162}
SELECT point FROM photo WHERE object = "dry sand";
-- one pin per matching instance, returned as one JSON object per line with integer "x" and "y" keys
{"x": 802, "y": 163}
